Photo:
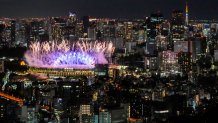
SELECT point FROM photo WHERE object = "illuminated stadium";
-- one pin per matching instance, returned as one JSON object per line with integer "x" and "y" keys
{"x": 54, "y": 57}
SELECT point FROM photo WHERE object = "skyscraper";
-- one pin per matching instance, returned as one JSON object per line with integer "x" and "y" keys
{"x": 104, "y": 116}
{"x": 13, "y": 32}
{"x": 153, "y": 24}
{"x": 177, "y": 28}
{"x": 86, "y": 23}
{"x": 186, "y": 13}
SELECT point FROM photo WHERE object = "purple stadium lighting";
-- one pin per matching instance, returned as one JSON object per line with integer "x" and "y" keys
{"x": 80, "y": 55}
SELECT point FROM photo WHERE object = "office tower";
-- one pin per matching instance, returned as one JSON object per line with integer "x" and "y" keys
{"x": 13, "y": 32}
{"x": 120, "y": 27}
{"x": 86, "y": 24}
{"x": 177, "y": 28}
{"x": 2, "y": 69}
{"x": 186, "y": 13}
{"x": 104, "y": 116}
{"x": 79, "y": 29}
{"x": 85, "y": 109}
{"x": 180, "y": 46}
{"x": 89, "y": 119}
{"x": 70, "y": 29}
{"x": 59, "y": 29}
{"x": 91, "y": 33}
{"x": 2, "y": 27}
{"x": 153, "y": 29}
{"x": 21, "y": 33}
{"x": 6, "y": 33}
{"x": 177, "y": 24}
{"x": 161, "y": 42}
{"x": 197, "y": 47}
{"x": 153, "y": 25}
{"x": 184, "y": 59}
{"x": 86, "y": 113}
{"x": 177, "y": 18}
{"x": 168, "y": 61}
{"x": 38, "y": 31}
{"x": 2, "y": 110}
{"x": 108, "y": 30}
{"x": 72, "y": 18}
{"x": 128, "y": 26}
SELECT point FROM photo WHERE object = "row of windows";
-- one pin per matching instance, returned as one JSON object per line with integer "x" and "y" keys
{"x": 64, "y": 73}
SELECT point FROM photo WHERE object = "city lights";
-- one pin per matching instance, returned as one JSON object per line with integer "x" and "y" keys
{"x": 69, "y": 61}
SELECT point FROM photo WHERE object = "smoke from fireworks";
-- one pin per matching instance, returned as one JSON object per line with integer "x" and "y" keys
{"x": 81, "y": 54}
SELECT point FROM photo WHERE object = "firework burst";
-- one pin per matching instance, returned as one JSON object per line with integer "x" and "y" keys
{"x": 82, "y": 54}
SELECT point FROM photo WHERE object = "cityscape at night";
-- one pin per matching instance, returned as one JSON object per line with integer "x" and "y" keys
{"x": 117, "y": 61}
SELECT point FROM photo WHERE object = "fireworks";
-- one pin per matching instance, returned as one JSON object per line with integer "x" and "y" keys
{"x": 81, "y": 54}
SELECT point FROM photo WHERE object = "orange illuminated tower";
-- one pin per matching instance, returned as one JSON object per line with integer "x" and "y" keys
{"x": 186, "y": 13}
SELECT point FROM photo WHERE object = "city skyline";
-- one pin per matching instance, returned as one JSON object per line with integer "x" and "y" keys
{"x": 198, "y": 9}
{"x": 96, "y": 61}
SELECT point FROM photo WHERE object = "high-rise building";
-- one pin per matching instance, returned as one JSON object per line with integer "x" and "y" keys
{"x": 38, "y": 31}
{"x": 180, "y": 46}
{"x": 161, "y": 42}
{"x": 21, "y": 33}
{"x": 2, "y": 69}
{"x": 91, "y": 33}
{"x": 168, "y": 61}
{"x": 89, "y": 119}
{"x": 153, "y": 24}
{"x": 197, "y": 47}
{"x": 2, "y": 28}
{"x": 215, "y": 55}
{"x": 104, "y": 116}
{"x": 184, "y": 59}
{"x": 2, "y": 110}
{"x": 28, "y": 114}
{"x": 13, "y": 32}
{"x": 79, "y": 29}
{"x": 153, "y": 29}
{"x": 177, "y": 18}
{"x": 58, "y": 28}
{"x": 72, "y": 19}
{"x": 165, "y": 28}
{"x": 186, "y": 13}
{"x": 177, "y": 28}
{"x": 8, "y": 111}
{"x": 128, "y": 26}
{"x": 151, "y": 63}
{"x": 86, "y": 24}
{"x": 7, "y": 32}
{"x": 85, "y": 111}
{"x": 109, "y": 31}
{"x": 151, "y": 48}
{"x": 120, "y": 30}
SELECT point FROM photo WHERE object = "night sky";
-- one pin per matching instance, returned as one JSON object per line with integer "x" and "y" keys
{"x": 199, "y": 9}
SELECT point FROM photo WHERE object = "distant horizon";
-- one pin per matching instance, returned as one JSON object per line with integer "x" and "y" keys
{"x": 80, "y": 17}
{"x": 126, "y": 9}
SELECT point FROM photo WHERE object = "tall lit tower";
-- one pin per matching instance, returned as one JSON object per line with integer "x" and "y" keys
{"x": 186, "y": 13}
